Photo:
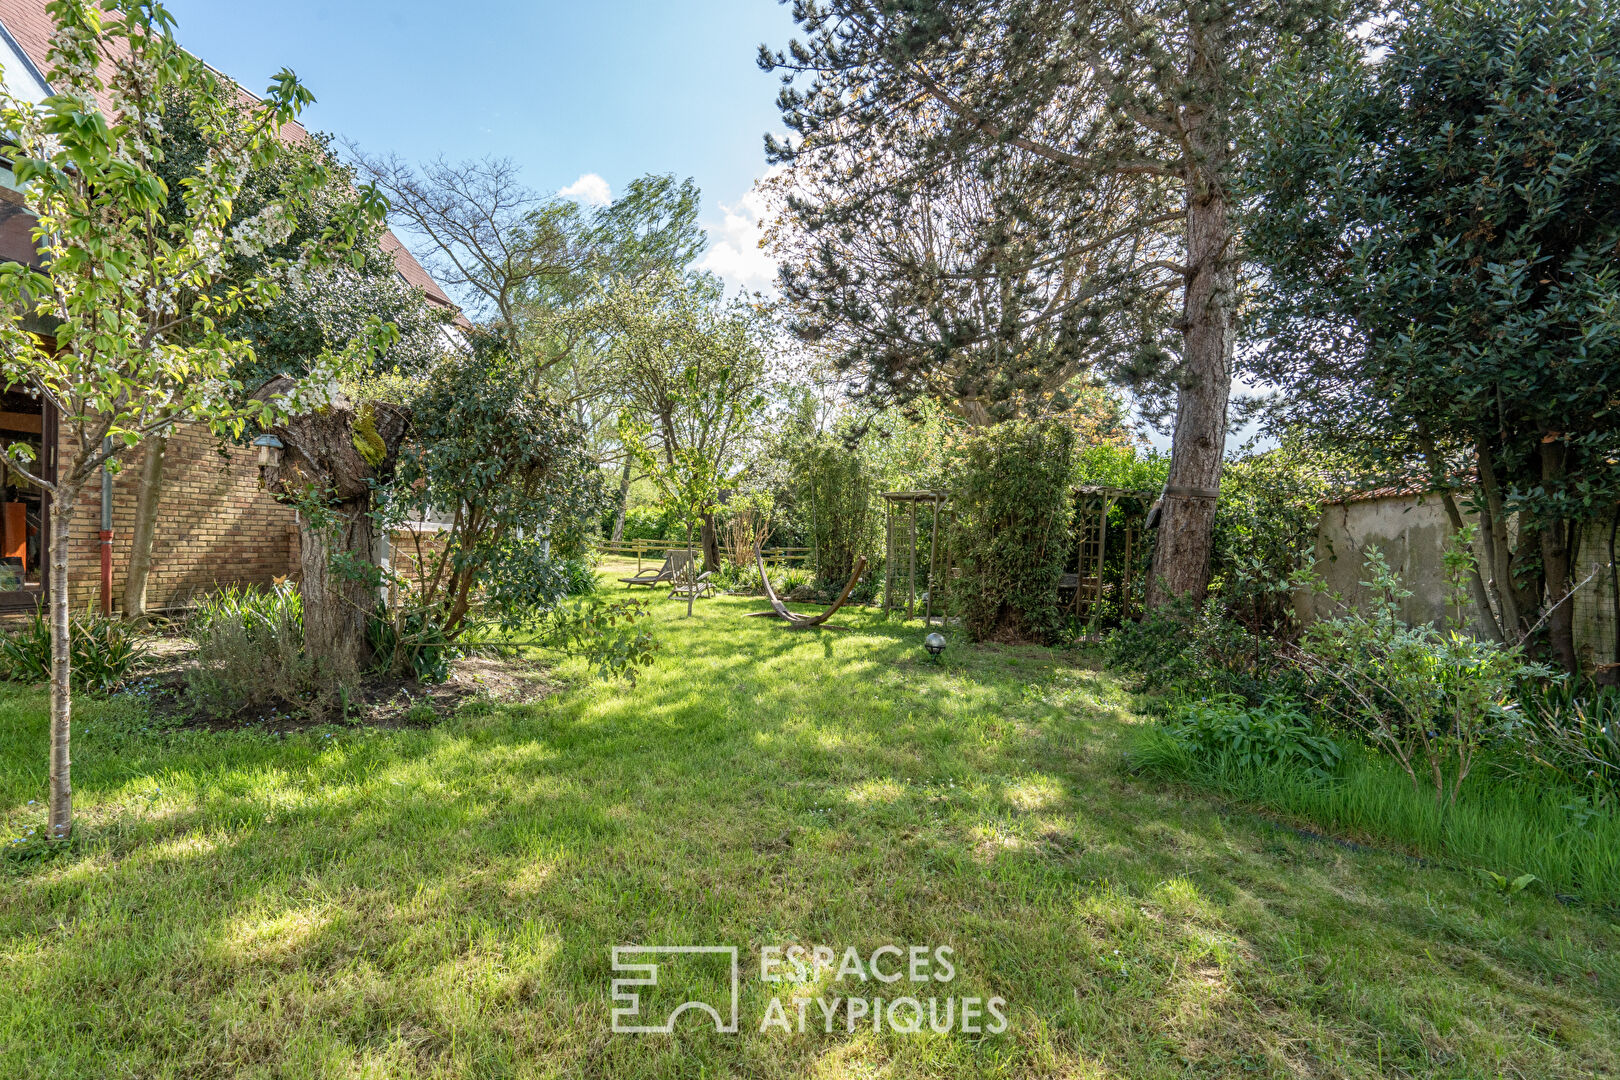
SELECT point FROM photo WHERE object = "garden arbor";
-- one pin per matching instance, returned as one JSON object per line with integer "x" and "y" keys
{"x": 903, "y": 505}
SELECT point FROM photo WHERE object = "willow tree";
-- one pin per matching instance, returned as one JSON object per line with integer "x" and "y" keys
{"x": 1096, "y": 90}
{"x": 134, "y": 342}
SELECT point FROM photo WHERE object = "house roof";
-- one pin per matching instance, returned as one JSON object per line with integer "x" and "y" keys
{"x": 28, "y": 25}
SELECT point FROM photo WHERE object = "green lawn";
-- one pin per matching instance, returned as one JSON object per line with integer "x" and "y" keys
{"x": 443, "y": 902}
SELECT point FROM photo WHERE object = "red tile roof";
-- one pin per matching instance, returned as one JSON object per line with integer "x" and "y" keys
{"x": 30, "y": 26}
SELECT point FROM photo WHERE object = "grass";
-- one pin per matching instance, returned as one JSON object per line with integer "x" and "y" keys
{"x": 443, "y": 902}
{"x": 1497, "y": 825}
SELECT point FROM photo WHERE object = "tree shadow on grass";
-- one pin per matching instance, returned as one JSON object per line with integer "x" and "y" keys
{"x": 446, "y": 900}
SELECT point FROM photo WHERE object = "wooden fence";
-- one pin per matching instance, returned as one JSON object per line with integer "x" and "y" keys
{"x": 654, "y": 550}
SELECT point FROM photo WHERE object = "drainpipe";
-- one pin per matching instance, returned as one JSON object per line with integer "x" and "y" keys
{"x": 106, "y": 532}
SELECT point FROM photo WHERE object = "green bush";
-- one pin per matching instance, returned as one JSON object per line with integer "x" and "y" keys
{"x": 1572, "y": 730}
{"x": 1202, "y": 651}
{"x": 1265, "y": 535}
{"x": 785, "y": 579}
{"x": 412, "y": 643}
{"x": 642, "y": 523}
{"x": 1429, "y": 698}
{"x": 738, "y": 579}
{"x": 102, "y": 651}
{"x": 250, "y": 652}
{"x": 1013, "y": 502}
{"x": 834, "y": 490}
{"x": 1274, "y": 734}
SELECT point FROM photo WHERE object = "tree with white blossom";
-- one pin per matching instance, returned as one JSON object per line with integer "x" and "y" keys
{"x": 121, "y": 334}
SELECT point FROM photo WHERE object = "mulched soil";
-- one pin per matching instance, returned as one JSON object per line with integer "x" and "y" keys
{"x": 385, "y": 702}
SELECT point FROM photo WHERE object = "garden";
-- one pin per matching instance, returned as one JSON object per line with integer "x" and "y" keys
{"x": 865, "y": 621}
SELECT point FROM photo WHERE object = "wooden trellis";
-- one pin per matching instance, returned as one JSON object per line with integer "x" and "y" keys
{"x": 1088, "y": 572}
{"x": 896, "y": 504}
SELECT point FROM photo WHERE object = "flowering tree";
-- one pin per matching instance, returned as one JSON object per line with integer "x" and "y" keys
{"x": 122, "y": 337}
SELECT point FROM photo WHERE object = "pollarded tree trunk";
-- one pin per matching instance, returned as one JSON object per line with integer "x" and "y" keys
{"x": 1181, "y": 553}
{"x": 332, "y": 460}
{"x": 141, "y": 536}
{"x": 60, "y": 820}
{"x": 337, "y": 606}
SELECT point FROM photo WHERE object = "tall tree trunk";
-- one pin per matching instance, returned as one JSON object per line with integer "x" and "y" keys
{"x": 691, "y": 571}
{"x": 711, "y": 544}
{"x": 337, "y": 607}
{"x": 146, "y": 509}
{"x": 60, "y": 822}
{"x": 624, "y": 500}
{"x": 1181, "y": 553}
{"x": 1555, "y": 563}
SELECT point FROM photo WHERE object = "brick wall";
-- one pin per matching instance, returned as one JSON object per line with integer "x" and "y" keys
{"x": 214, "y": 527}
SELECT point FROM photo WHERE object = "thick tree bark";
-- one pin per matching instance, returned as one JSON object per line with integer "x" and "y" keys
{"x": 322, "y": 463}
{"x": 337, "y": 608}
{"x": 147, "y": 499}
{"x": 711, "y": 544}
{"x": 60, "y": 821}
{"x": 1181, "y": 552}
{"x": 1555, "y": 563}
{"x": 624, "y": 500}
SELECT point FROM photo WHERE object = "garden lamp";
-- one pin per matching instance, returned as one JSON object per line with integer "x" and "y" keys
{"x": 935, "y": 644}
{"x": 269, "y": 451}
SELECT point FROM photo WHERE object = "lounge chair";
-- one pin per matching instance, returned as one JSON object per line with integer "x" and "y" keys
{"x": 673, "y": 562}
{"x": 684, "y": 583}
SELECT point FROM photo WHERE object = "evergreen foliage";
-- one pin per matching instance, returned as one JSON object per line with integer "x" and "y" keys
{"x": 1438, "y": 228}
{"x": 1012, "y": 497}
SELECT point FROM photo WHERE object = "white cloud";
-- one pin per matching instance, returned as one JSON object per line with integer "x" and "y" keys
{"x": 589, "y": 189}
{"x": 734, "y": 252}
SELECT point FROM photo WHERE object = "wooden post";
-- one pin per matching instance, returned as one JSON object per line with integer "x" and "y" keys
{"x": 911, "y": 584}
{"x": 1102, "y": 553}
{"x": 1126, "y": 581}
{"x": 888, "y": 553}
{"x": 933, "y": 574}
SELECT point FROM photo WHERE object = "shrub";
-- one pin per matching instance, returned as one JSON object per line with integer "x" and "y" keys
{"x": 1429, "y": 698}
{"x": 1265, "y": 535}
{"x": 642, "y": 523}
{"x": 1275, "y": 734}
{"x": 579, "y": 576}
{"x": 250, "y": 652}
{"x": 788, "y": 578}
{"x": 732, "y": 577}
{"x": 1202, "y": 652}
{"x": 1121, "y": 466}
{"x": 1574, "y": 731}
{"x": 834, "y": 489}
{"x": 1012, "y": 498}
{"x": 412, "y": 643}
{"x": 102, "y": 651}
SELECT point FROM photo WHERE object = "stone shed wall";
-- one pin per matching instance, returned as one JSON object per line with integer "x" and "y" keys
{"x": 1412, "y": 532}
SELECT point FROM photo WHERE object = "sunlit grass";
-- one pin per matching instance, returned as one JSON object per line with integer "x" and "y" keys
{"x": 443, "y": 902}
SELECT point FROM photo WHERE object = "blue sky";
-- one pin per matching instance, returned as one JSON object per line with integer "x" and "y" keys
{"x": 611, "y": 89}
